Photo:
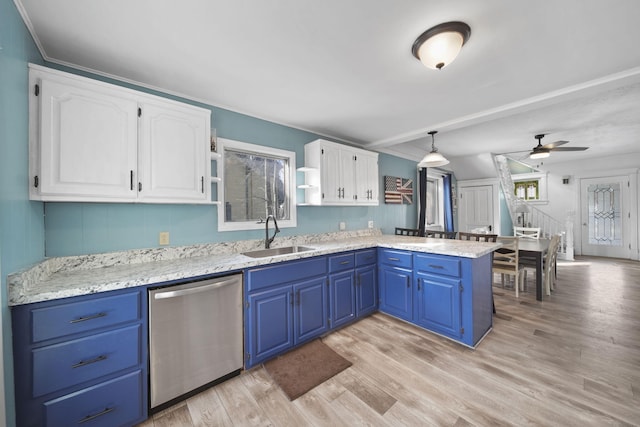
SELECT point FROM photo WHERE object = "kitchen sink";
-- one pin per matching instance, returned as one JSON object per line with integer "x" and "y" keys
{"x": 263, "y": 253}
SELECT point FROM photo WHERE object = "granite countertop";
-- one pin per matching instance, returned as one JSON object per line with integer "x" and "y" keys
{"x": 64, "y": 277}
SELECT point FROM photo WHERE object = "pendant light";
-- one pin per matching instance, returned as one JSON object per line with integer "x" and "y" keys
{"x": 433, "y": 159}
{"x": 438, "y": 46}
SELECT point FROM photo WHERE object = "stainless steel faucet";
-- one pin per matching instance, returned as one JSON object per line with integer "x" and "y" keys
{"x": 267, "y": 239}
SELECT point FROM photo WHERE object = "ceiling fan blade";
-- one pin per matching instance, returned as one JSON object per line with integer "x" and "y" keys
{"x": 569, "y": 149}
{"x": 553, "y": 145}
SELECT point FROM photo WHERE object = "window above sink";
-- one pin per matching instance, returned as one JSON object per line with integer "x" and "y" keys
{"x": 258, "y": 181}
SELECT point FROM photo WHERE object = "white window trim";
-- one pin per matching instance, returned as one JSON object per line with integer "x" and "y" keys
{"x": 435, "y": 174}
{"x": 541, "y": 177}
{"x": 291, "y": 190}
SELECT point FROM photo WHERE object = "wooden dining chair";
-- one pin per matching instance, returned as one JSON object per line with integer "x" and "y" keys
{"x": 478, "y": 237}
{"x": 441, "y": 234}
{"x": 549, "y": 264}
{"x": 407, "y": 231}
{"x": 505, "y": 262}
{"x": 527, "y": 232}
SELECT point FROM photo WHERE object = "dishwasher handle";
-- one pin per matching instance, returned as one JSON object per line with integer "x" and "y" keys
{"x": 194, "y": 290}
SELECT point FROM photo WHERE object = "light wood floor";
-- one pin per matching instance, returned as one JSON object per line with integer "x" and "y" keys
{"x": 572, "y": 360}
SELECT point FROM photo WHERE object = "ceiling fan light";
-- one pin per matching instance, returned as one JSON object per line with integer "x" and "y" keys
{"x": 440, "y": 45}
{"x": 538, "y": 154}
{"x": 432, "y": 160}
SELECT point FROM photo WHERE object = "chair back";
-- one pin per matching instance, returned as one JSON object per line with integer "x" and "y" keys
{"x": 505, "y": 258}
{"x": 441, "y": 234}
{"x": 407, "y": 231}
{"x": 478, "y": 237}
{"x": 527, "y": 232}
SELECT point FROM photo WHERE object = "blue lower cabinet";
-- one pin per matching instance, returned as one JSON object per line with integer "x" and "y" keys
{"x": 396, "y": 292}
{"x": 286, "y": 304}
{"x": 310, "y": 309}
{"x": 270, "y": 323}
{"x": 343, "y": 298}
{"x": 438, "y": 304}
{"x": 107, "y": 404}
{"x": 366, "y": 290}
{"x": 81, "y": 360}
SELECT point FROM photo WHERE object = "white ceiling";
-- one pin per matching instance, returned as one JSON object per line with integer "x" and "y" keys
{"x": 344, "y": 69}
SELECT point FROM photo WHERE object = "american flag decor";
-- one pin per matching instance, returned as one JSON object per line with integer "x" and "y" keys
{"x": 398, "y": 190}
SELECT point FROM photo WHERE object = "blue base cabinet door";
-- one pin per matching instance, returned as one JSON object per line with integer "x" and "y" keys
{"x": 343, "y": 298}
{"x": 270, "y": 322}
{"x": 396, "y": 291}
{"x": 439, "y": 304}
{"x": 310, "y": 309}
{"x": 366, "y": 290}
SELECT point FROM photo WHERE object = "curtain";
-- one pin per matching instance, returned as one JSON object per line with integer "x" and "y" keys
{"x": 448, "y": 205}
{"x": 422, "y": 199}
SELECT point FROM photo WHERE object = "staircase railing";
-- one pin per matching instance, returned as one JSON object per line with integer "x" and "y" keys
{"x": 526, "y": 214}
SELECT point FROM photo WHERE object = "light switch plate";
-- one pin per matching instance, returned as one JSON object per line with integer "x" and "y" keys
{"x": 343, "y": 226}
{"x": 370, "y": 224}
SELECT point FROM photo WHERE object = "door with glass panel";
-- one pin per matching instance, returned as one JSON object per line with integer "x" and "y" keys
{"x": 604, "y": 216}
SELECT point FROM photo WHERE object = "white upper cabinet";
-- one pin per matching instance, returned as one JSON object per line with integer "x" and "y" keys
{"x": 171, "y": 147}
{"x": 96, "y": 142}
{"x": 337, "y": 174}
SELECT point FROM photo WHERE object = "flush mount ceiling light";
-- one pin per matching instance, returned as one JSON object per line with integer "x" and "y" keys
{"x": 433, "y": 159}
{"x": 438, "y": 46}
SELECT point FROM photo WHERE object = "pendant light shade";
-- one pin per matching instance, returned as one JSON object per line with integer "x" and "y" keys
{"x": 438, "y": 46}
{"x": 433, "y": 159}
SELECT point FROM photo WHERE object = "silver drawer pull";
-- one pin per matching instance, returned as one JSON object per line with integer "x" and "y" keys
{"x": 394, "y": 259}
{"x": 82, "y": 363}
{"x": 85, "y": 318}
{"x": 94, "y": 416}
{"x": 436, "y": 266}
{"x": 344, "y": 262}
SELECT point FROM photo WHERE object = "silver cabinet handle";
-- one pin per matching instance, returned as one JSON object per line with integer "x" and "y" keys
{"x": 82, "y": 363}
{"x": 345, "y": 262}
{"x": 94, "y": 416}
{"x": 436, "y": 266}
{"x": 195, "y": 290}
{"x": 393, "y": 259}
{"x": 85, "y": 318}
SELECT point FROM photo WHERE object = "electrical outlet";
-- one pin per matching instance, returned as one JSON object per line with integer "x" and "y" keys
{"x": 343, "y": 226}
{"x": 370, "y": 224}
{"x": 163, "y": 238}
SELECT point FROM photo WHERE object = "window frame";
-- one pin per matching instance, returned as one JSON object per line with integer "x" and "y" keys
{"x": 290, "y": 188}
{"x": 439, "y": 178}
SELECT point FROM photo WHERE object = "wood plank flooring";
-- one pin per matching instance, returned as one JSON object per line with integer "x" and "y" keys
{"x": 571, "y": 360}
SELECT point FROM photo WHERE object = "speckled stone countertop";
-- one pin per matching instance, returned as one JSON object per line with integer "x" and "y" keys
{"x": 64, "y": 277}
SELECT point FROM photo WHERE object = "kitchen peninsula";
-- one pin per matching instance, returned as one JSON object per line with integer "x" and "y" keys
{"x": 437, "y": 284}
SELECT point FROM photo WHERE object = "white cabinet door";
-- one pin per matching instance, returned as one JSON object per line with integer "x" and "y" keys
{"x": 88, "y": 143}
{"x": 330, "y": 175}
{"x": 172, "y": 147}
{"x": 367, "y": 179}
{"x": 347, "y": 176}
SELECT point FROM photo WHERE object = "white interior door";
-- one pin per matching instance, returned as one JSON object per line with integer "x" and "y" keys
{"x": 476, "y": 208}
{"x": 604, "y": 218}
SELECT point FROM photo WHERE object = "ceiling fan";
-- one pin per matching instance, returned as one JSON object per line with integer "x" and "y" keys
{"x": 541, "y": 151}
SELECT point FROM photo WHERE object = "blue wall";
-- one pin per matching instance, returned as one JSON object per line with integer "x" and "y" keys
{"x": 21, "y": 221}
{"x": 81, "y": 228}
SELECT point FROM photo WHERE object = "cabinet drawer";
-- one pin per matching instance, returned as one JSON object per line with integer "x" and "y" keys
{"x": 365, "y": 257}
{"x": 434, "y": 264}
{"x": 67, "y": 319}
{"x": 113, "y": 403}
{"x": 394, "y": 257}
{"x": 73, "y": 362}
{"x": 341, "y": 262}
{"x": 261, "y": 278}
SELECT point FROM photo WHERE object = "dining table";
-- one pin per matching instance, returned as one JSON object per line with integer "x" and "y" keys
{"x": 535, "y": 249}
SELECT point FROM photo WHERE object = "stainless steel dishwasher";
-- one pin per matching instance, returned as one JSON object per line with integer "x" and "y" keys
{"x": 195, "y": 336}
